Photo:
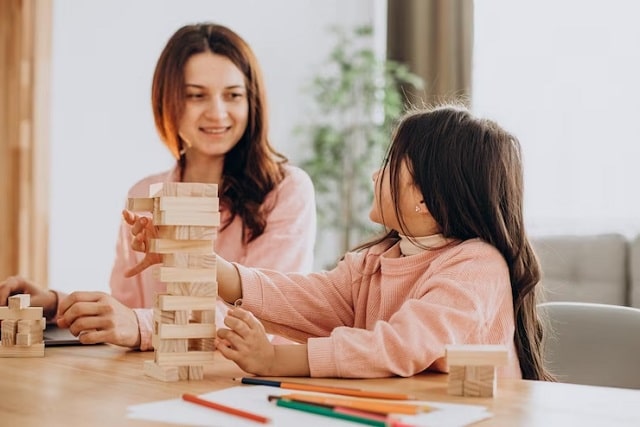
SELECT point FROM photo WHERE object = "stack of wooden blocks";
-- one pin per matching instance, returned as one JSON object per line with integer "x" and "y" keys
{"x": 22, "y": 328}
{"x": 187, "y": 218}
{"x": 472, "y": 368}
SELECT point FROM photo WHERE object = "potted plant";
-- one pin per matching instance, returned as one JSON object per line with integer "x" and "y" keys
{"x": 357, "y": 96}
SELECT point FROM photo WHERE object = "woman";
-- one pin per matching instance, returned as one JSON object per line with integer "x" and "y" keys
{"x": 210, "y": 110}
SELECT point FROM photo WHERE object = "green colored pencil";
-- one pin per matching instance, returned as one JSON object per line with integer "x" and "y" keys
{"x": 327, "y": 412}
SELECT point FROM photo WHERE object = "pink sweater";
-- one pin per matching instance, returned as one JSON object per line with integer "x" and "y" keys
{"x": 286, "y": 244}
{"x": 378, "y": 314}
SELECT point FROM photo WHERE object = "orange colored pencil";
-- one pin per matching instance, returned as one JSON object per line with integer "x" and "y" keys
{"x": 226, "y": 409}
{"x": 327, "y": 389}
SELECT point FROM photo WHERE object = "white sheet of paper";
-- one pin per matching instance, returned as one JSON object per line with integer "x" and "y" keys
{"x": 254, "y": 399}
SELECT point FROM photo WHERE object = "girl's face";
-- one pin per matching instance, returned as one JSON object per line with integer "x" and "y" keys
{"x": 416, "y": 223}
{"x": 216, "y": 108}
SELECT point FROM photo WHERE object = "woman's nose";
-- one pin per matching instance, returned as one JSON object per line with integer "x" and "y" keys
{"x": 375, "y": 174}
{"x": 217, "y": 108}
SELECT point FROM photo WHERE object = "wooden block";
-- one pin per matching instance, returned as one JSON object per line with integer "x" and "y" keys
{"x": 474, "y": 355}
{"x": 162, "y": 373}
{"x": 208, "y": 317}
{"x": 203, "y": 233}
{"x": 192, "y": 189}
{"x": 185, "y": 359}
{"x": 34, "y": 350}
{"x": 161, "y": 317}
{"x": 193, "y": 330}
{"x": 208, "y": 219}
{"x": 23, "y": 339}
{"x": 174, "y": 274}
{"x": 189, "y": 260}
{"x": 31, "y": 326}
{"x": 8, "y": 332}
{"x": 18, "y": 302}
{"x": 168, "y": 246}
{"x": 183, "y": 372}
{"x": 140, "y": 204}
{"x": 186, "y": 302}
{"x": 456, "y": 380}
{"x": 29, "y": 313}
{"x": 193, "y": 204}
{"x": 196, "y": 372}
{"x": 200, "y": 289}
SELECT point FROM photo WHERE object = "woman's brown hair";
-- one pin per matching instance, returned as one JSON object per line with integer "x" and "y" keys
{"x": 469, "y": 171}
{"x": 252, "y": 168}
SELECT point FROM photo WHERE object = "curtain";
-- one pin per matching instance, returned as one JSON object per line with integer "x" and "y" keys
{"x": 25, "y": 31}
{"x": 435, "y": 39}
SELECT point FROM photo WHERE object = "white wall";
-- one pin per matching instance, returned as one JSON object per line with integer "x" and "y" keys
{"x": 103, "y": 139}
{"x": 563, "y": 76}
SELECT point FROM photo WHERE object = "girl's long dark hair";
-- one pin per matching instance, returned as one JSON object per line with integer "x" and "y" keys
{"x": 469, "y": 171}
{"x": 252, "y": 168}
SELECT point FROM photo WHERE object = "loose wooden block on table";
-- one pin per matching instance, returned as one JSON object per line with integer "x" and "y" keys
{"x": 472, "y": 368}
{"x": 21, "y": 328}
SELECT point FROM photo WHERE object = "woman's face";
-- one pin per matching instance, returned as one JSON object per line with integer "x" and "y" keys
{"x": 216, "y": 108}
{"x": 418, "y": 222}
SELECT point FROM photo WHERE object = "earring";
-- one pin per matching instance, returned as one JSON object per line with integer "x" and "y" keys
{"x": 418, "y": 208}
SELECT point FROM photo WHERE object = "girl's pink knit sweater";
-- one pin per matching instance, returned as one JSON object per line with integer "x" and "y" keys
{"x": 378, "y": 314}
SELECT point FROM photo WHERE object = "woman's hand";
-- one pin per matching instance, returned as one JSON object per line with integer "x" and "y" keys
{"x": 142, "y": 231}
{"x": 14, "y": 285}
{"x": 246, "y": 343}
{"x": 97, "y": 317}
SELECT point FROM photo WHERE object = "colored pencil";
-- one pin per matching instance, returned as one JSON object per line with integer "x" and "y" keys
{"x": 390, "y": 421}
{"x": 328, "y": 412}
{"x": 327, "y": 389}
{"x": 226, "y": 409}
{"x": 369, "y": 405}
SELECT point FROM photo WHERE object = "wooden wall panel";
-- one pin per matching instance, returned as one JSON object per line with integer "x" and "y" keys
{"x": 25, "y": 52}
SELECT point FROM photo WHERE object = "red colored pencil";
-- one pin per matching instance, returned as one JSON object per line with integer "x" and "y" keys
{"x": 226, "y": 409}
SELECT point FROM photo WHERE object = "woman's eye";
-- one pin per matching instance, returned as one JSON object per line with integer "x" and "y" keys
{"x": 194, "y": 95}
{"x": 236, "y": 95}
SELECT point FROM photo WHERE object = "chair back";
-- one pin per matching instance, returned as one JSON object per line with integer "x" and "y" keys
{"x": 594, "y": 344}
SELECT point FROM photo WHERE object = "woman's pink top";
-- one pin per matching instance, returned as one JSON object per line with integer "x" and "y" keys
{"x": 378, "y": 314}
{"x": 286, "y": 245}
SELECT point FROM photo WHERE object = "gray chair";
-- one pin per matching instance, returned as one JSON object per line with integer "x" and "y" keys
{"x": 594, "y": 344}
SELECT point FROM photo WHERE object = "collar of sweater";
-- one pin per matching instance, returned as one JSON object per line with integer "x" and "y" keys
{"x": 415, "y": 245}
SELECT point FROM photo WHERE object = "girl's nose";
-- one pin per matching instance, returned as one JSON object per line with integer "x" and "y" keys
{"x": 375, "y": 174}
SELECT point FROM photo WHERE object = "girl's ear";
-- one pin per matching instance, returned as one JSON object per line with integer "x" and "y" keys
{"x": 421, "y": 207}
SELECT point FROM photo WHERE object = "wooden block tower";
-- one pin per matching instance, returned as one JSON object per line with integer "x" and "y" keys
{"x": 22, "y": 328}
{"x": 187, "y": 217}
{"x": 472, "y": 368}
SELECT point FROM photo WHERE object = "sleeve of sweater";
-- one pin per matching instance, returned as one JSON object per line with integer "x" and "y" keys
{"x": 304, "y": 305}
{"x": 289, "y": 237}
{"x": 131, "y": 291}
{"x": 453, "y": 304}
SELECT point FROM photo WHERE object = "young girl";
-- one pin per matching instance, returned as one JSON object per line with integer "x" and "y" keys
{"x": 455, "y": 268}
{"x": 210, "y": 109}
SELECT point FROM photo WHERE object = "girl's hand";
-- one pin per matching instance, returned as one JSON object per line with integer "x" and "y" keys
{"x": 246, "y": 343}
{"x": 142, "y": 231}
